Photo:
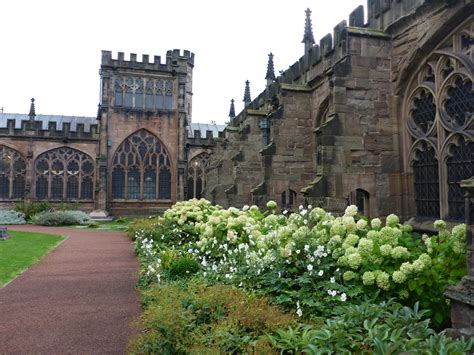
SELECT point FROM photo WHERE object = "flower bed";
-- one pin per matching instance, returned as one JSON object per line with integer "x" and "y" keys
{"x": 308, "y": 262}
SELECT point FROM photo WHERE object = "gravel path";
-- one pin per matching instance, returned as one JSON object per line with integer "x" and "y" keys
{"x": 80, "y": 299}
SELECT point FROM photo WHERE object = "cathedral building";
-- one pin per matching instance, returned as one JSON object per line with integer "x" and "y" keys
{"x": 130, "y": 159}
{"x": 379, "y": 114}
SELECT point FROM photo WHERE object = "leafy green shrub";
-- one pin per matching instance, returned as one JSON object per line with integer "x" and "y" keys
{"x": 383, "y": 328}
{"x": 145, "y": 228}
{"x": 62, "y": 218}
{"x": 193, "y": 317}
{"x": 29, "y": 209}
{"x": 11, "y": 217}
{"x": 183, "y": 266}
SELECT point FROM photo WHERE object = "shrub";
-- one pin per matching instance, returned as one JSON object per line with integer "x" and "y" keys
{"x": 29, "y": 209}
{"x": 11, "y": 217}
{"x": 193, "y": 317}
{"x": 62, "y": 218}
{"x": 383, "y": 328}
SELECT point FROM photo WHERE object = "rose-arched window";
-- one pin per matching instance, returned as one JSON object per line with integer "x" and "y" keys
{"x": 12, "y": 174}
{"x": 440, "y": 126}
{"x": 197, "y": 168}
{"x": 64, "y": 174}
{"x": 141, "y": 169}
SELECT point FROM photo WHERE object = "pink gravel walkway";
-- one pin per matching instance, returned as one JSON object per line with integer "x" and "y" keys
{"x": 80, "y": 299}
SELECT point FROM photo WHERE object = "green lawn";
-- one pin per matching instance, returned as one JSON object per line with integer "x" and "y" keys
{"x": 22, "y": 250}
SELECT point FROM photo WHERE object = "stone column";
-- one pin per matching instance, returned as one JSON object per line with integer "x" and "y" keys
{"x": 462, "y": 294}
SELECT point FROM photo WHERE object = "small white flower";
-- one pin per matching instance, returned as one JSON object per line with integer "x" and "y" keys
{"x": 306, "y": 248}
{"x": 285, "y": 212}
{"x": 310, "y": 207}
{"x": 320, "y": 273}
{"x": 298, "y": 251}
{"x": 310, "y": 267}
{"x": 333, "y": 279}
{"x": 343, "y": 297}
{"x": 301, "y": 207}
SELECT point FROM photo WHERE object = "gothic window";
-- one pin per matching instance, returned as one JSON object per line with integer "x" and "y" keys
{"x": 118, "y": 93}
{"x": 141, "y": 169}
{"x": 138, "y": 93}
{"x": 64, "y": 174}
{"x": 128, "y": 96}
{"x": 439, "y": 116}
{"x": 460, "y": 166}
{"x": 197, "y": 175}
{"x": 12, "y": 174}
{"x": 149, "y": 95}
{"x": 288, "y": 198}
{"x": 424, "y": 111}
{"x": 426, "y": 179}
{"x": 143, "y": 93}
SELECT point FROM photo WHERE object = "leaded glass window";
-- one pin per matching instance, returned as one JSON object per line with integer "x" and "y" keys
{"x": 439, "y": 115}
{"x": 165, "y": 184}
{"x": 64, "y": 174}
{"x": 144, "y": 93}
{"x": 138, "y": 164}
{"x": 460, "y": 166}
{"x": 197, "y": 175}
{"x": 12, "y": 174}
{"x": 425, "y": 170}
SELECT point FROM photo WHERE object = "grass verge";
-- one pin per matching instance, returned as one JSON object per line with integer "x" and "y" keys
{"x": 22, "y": 250}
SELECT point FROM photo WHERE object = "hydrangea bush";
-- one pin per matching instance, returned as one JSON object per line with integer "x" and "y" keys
{"x": 310, "y": 260}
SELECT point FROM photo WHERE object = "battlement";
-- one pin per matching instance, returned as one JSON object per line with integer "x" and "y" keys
{"x": 49, "y": 126}
{"x": 173, "y": 58}
{"x": 384, "y": 13}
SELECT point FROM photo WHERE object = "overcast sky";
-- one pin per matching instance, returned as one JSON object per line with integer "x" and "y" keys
{"x": 51, "y": 49}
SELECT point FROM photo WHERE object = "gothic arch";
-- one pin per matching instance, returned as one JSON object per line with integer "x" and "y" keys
{"x": 439, "y": 126}
{"x": 197, "y": 169}
{"x": 141, "y": 169}
{"x": 64, "y": 174}
{"x": 12, "y": 174}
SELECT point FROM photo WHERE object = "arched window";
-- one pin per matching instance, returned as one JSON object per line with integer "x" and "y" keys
{"x": 439, "y": 110}
{"x": 12, "y": 174}
{"x": 197, "y": 169}
{"x": 64, "y": 174}
{"x": 141, "y": 169}
{"x": 426, "y": 179}
{"x": 460, "y": 166}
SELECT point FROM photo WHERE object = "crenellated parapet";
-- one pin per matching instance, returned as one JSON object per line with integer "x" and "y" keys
{"x": 49, "y": 126}
{"x": 174, "y": 58}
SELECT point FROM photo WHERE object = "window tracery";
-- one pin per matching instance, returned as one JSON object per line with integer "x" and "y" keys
{"x": 144, "y": 93}
{"x": 440, "y": 128}
{"x": 64, "y": 174}
{"x": 141, "y": 169}
{"x": 12, "y": 174}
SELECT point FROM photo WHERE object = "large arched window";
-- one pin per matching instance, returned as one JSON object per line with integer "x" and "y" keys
{"x": 440, "y": 127}
{"x": 141, "y": 169}
{"x": 197, "y": 175}
{"x": 64, "y": 174}
{"x": 12, "y": 174}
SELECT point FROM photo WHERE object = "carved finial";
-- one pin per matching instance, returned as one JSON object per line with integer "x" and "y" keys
{"x": 232, "y": 109}
{"x": 308, "y": 38}
{"x": 32, "y": 113}
{"x": 247, "y": 98}
{"x": 270, "y": 70}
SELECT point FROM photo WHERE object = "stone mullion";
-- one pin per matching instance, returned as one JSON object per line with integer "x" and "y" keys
{"x": 442, "y": 169}
{"x": 142, "y": 180}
